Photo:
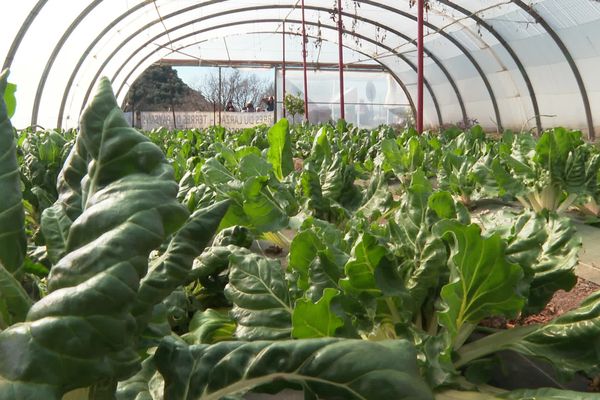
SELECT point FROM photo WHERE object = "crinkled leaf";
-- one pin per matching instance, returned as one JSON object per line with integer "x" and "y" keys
{"x": 378, "y": 198}
{"x": 13, "y": 241}
{"x": 326, "y": 368}
{"x": 235, "y": 235}
{"x": 303, "y": 251}
{"x": 482, "y": 282}
{"x": 218, "y": 177}
{"x": 14, "y": 301}
{"x": 315, "y": 320}
{"x": 55, "y": 226}
{"x": 173, "y": 267}
{"x": 558, "y": 342}
{"x": 82, "y": 332}
{"x": 545, "y": 246}
{"x": 325, "y": 271}
{"x": 570, "y": 342}
{"x": 259, "y": 293}
{"x": 311, "y": 190}
{"x": 147, "y": 384}
{"x": 212, "y": 261}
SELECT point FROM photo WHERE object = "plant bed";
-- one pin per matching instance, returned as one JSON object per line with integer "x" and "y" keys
{"x": 360, "y": 274}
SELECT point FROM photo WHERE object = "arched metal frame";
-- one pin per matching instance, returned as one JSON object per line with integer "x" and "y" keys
{"x": 391, "y": 9}
{"x": 178, "y": 12}
{"x": 383, "y": 66}
{"x": 387, "y": 8}
{"x": 52, "y": 58}
{"x": 563, "y": 48}
{"x": 166, "y": 32}
{"x": 459, "y": 45}
{"x": 88, "y": 50}
{"x": 147, "y": 2}
{"x": 22, "y": 32}
{"x": 481, "y": 22}
{"x": 554, "y": 36}
{"x": 396, "y": 78}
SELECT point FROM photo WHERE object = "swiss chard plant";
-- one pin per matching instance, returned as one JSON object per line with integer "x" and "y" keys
{"x": 552, "y": 174}
{"x": 108, "y": 289}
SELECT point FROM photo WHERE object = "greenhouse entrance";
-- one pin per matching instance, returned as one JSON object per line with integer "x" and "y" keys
{"x": 372, "y": 96}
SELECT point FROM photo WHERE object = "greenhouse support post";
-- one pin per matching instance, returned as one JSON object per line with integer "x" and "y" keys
{"x": 275, "y": 88}
{"x": 283, "y": 71}
{"x": 341, "y": 61}
{"x": 420, "y": 21}
{"x": 304, "y": 64}
{"x": 220, "y": 94}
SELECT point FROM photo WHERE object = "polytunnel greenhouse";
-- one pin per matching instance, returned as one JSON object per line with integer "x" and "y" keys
{"x": 340, "y": 199}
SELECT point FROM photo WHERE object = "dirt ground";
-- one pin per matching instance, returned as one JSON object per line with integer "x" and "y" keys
{"x": 562, "y": 302}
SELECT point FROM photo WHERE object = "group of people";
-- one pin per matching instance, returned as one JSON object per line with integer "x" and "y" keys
{"x": 249, "y": 107}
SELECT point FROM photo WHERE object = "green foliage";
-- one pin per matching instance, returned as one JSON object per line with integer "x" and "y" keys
{"x": 8, "y": 93}
{"x": 376, "y": 244}
{"x": 12, "y": 216}
{"x": 293, "y": 105}
{"x": 363, "y": 370}
{"x": 482, "y": 282}
{"x": 280, "y": 149}
{"x": 315, "y": 320}
{"x": 259, "y": 293}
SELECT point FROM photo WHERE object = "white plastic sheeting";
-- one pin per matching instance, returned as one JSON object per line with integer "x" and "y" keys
{"x": 372, "y": 98}
{"x": 70, "y": 44}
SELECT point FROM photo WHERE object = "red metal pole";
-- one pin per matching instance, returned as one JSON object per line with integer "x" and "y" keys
{"x": 283, "y": 71}
{"x": 341, "y": 61}
{"x": 420, "y": 21}
{"x": 304, "y": 64}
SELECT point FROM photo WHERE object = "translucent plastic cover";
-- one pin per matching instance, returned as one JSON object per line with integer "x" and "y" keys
{"x": 506, "y": 64}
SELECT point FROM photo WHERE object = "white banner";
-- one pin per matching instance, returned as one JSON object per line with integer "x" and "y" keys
{"x": 190, "y": 120}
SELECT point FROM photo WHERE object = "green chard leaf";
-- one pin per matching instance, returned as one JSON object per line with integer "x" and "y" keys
{"x": 482, "y": 282}
{"x": 547, "y": 394}
{"x": 546, "y": 246}
{"x": 14, "y": 300}
{"x": 280, "y": 149}
{"x": 83, "y": 331}
{"x": 560, "y": 341}
{"x": 260, "y": 296}
{"x": 264, "y": 211}
{"x": 57, "y": 219}
{"x": 209, "y": 327}
{"x": 325, "y": 368}
{"x": 315, "y": 320}
{"x": 13, "y": 240}
{"x": 8, "y": 91}
{"x": 145, "y": 385}
{"x": 172, "y": 269}
{"x": 367, "y": 256}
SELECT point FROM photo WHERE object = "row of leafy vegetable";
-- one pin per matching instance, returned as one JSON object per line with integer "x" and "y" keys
{"x": 157, "y": 290}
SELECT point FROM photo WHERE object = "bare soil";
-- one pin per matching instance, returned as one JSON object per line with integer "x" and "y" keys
{"x": 560, "y": 303}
